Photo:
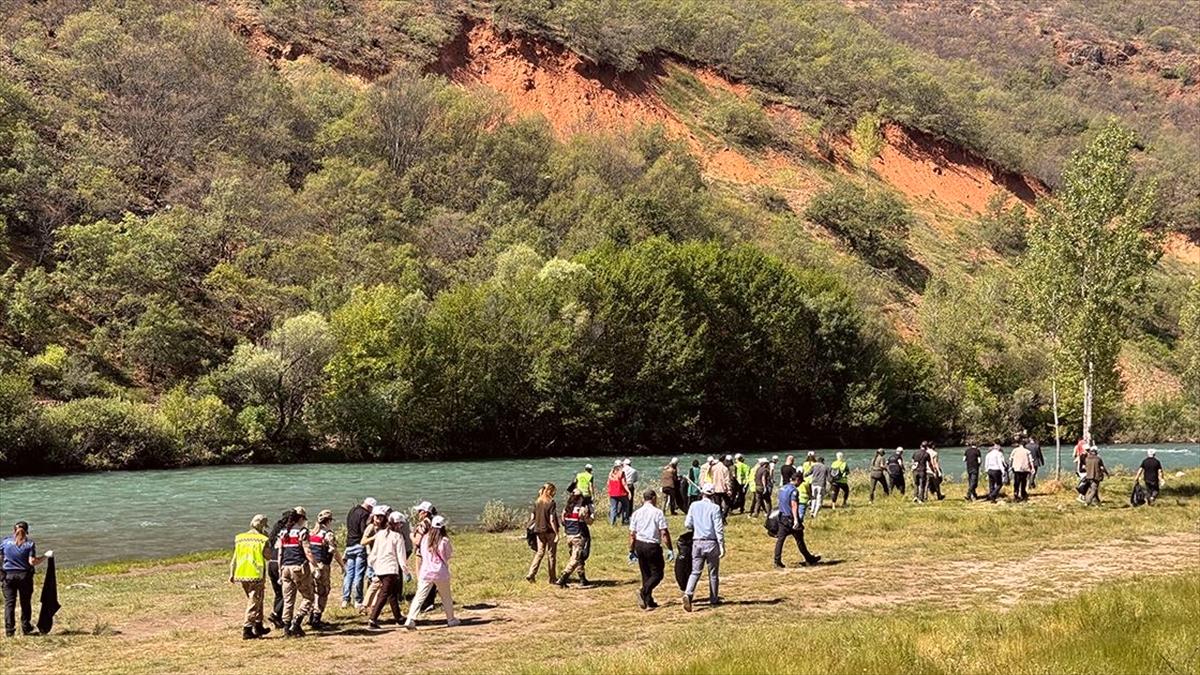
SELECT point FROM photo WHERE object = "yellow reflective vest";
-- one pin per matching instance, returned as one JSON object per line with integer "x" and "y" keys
{"x": 249, "y": 562}
{"x": 583, "y": 483}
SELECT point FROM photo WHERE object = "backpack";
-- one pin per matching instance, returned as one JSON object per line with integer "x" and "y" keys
{"x": 772, "y": 523}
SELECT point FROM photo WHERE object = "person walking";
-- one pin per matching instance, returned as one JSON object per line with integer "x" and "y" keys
{"x": 648, "y": 534}
{"x": 296, "y": 563}
{"x": 378, "y": 523}
{"x": 935, "y": 473}
{"x": 323, "y": 544}
{"x": 389, "y": 560}
{"x": 994, "y": 465}
{"x": 585, "y": 483}
{"x": 972, "y": 458}
{"x": 791, "y": 522}
{"x": 1150, "y": 472}
{"x": 708, "y": 546}
{"x": 920, "y": 473}
{"x": 576, "y": 518}
{"x": 839, "y": 479}
{"x": 670, "y": 485}
{"x": 818, "y": 483}
{"x": 356, "y": 553}
{"x": 276, "y": 616}
{"x": 762, "y": 488}
{"x": 1022, "y": 466}
{"x": 543, "y": 520}
{"x": 1094, "y": 472}
{"x": 742, "y": 473}
{"x": 1039, "y": 459}
{"x": 878, "y": 467}
{"x": 787, "y": 470}
{"x": 895, "y": 469}
{"x": 18, "y": 560}
{"x": 631, "y": 480}
{"x": 434, "y": 572}
{"x": 722, "y": 485}
{"x": 693, "y": 490}
{"x": 618, "y": 493}
{"x": 248, "y": 567}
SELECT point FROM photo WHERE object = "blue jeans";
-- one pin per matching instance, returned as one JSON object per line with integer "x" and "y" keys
{"x": 705, "y": 552}
{"x": 356, "y": 569}
{"x": 615, "y": 509}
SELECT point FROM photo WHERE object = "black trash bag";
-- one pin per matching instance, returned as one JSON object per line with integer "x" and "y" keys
{"x": 683, "y": 559}
{"x": 1138, "y": 496}
{"x": 49, "y": 599}
{"x": 531, "y": 539}
{"x": 1082, "y": 488}
{"x": 772, "y": 523}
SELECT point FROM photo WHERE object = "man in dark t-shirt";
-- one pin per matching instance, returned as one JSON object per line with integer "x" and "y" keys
{"x": 972, "y": 458}
{"x": 1150, "y": 472}
{"x": 920, "y": 472}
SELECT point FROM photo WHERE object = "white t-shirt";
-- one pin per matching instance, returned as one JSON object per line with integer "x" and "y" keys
{"x": 647, "y": 522}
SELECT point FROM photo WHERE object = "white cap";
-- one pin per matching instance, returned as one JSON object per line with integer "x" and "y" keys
{"x": 674, "y": 460}
{"x": 762, "y": 460}
{"x": 379, "y": 511}
{"x": 587, "y": 466}
{"x": 707, "y": 489}
{"x": 370, "y": 502}
{"x": 438, "y": 523}
{"x": 711, "y": 459}
{"x": 396, "y": 517}
{"x": 626, "y": 462}
{"x": 729, "y": 457}
{"x": 839, "y": 455}
{"x": 738, "y": 456}
{"x": 616, "y": 462}
{"x": 1150, "y": 452}
{"x": 425, "y": 506}
{"x": 774, "y": 458}
{"x": 901, "y": 449}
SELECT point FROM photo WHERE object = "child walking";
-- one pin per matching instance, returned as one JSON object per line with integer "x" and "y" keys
{"x": 435, "y": 571}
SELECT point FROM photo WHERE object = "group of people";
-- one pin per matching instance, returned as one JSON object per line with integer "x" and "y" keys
{"x": 298, "y": 562}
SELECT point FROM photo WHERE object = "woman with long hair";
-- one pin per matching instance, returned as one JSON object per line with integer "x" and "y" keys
{"x": 388, "y": 559}
{"x": 378, "y": 521}
{"x": 543, "y": 521}
{"x": 276, "y": 617}
{"x": 618, "y": 493}
{"x": 19, "y": 555}
{"x": 435, "y": 572}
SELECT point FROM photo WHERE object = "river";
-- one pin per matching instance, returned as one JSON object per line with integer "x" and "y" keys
{"x": 97, "y": 517}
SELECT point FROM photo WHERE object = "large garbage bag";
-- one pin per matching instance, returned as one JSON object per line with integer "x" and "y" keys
{"x": 49, "y": 599}
{"x": 683, "y": 559}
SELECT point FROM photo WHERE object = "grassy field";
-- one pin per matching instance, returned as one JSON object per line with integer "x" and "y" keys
{"x": 1044, "y": 586}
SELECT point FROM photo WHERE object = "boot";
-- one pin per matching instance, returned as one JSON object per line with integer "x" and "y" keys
{"x": 582, "y": 579}
{"x": 297, "y": 629}
{"x": 562, "y": 581}
{"x": 248, "y": 633}
{"x": 277, "y": 621}
{"x": 314, "y": 620}
{"x": 260, "y": 629}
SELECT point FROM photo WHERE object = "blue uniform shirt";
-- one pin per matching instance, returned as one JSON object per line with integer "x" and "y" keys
{"x": 705, "y": 522}
{"x": 16, "y": 556}
{"x": 787, "y": 497}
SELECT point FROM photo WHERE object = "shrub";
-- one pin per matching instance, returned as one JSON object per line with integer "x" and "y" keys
{"x": 867, "y": 135}
{"x": 496, "y": 517}
{"x": 873, "y": 224}
{"x": 108, "y": 433}
{"x": 1004, "y": 229}
{"x": 205, "y": 429}
{"x": 740, "y": 122}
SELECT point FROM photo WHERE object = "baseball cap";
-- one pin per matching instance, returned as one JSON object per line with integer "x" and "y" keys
{"x": 396, "y": 517}
{"x": 301, "y": 511}
{"x": 626, "y": 462}
{"x": 587, "y": 466}
{"x": 438, "y": 523}
{"x": 674, "y": 460}
{"x": 738, "y": 456}
{"x": 425, "y": 506}
{"x": 379, "y": 511}
{"x": 258, "y": 521}
{"x": 707, "y": 489}
{"x": 370, "y": 502}
{"x": 617, "y": 462}
{"x": 325, "y": 513}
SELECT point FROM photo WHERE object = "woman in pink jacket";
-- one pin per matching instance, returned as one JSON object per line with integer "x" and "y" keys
{"x": 435, "y": 571}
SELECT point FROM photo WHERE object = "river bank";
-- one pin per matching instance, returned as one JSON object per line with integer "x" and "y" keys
{"x": 949, "y": 572}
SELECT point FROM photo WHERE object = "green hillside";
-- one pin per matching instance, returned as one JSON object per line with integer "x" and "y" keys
{"x": 272, "y": 231}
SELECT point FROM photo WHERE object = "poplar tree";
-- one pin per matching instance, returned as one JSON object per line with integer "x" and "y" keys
{"x": 1089, "y": 251}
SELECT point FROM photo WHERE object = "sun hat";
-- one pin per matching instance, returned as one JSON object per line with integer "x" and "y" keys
{"x": 425, "y": 506}
{"x": 396, "y": 517}
{"x": 438, "y": 523}
{"x": 370, "y": 502}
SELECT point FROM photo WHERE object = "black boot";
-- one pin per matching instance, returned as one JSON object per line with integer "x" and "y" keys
{"x": 582, "y": 579}
{"x": 297, "y": 628}
{"x": 562, "y": 581}
{"x": 260, "y": 629}
{"x": 277, "y": 621}
{"x": 314, "y": 620}
{"x": 248, "y": 633}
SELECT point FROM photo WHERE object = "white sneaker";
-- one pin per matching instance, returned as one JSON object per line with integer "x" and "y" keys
{"x": 410, "y": 625}
{"x": 345, "y": 604}
{"x": 451, "y": 623}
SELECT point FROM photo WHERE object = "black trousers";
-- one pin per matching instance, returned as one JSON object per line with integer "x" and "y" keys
{"x": 273, "y": 575}
{"x": 670, "y": 498}
{"x": 18, "y": 586}
{"x": 972, "y": 484}
{"x": 843, "y": 488}
{"x": 995, "y": 482}
{"x": 390, "y": 586}
{"x": 651, "y": 563}
{"x": 1020, "y": 480}
{"x": 935, "y": 486}
{"x": 897, "y": 480}
{"x": 880, "y": 481}
{"x": 786, "y": 530}
{"x": 920, "y": 484}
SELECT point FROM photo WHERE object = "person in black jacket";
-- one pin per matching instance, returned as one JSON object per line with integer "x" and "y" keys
{"x": 356, "y": 553}
{"x": 895, "y": 467}
{"x": 1039, "y": 460}
{"x": 972, "y": 457}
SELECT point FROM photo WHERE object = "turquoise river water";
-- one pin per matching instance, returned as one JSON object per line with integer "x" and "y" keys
{"x": 96, "y": 517}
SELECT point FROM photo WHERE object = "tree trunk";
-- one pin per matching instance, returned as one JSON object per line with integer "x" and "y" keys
{"x": 1057, "y": 432}
{"x": 1088, "y": 393}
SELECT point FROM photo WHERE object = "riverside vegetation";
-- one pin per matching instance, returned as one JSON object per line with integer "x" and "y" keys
{"x": 931, "y": 588}
{"x": 208, "y": 258}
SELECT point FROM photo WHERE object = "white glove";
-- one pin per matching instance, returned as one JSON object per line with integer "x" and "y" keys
{"x": 50, "y": 554}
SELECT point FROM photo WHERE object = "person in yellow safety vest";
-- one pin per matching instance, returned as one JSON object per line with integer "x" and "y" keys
{"x": 806, "y": 467}
{"x": 585, "y": 485}
{"x": 742, "y": 472}
{"x": 248, "y": 567}
{"x": 839, "y": 475}
{"x": 323, "y": 545}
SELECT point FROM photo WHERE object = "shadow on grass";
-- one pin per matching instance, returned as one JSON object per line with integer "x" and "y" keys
{"x": 481, "y": 606}
{"x": 740, "y": 603}
{"x": 609, "y": 583}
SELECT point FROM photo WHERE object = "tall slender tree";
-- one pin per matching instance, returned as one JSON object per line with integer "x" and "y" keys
{"x": 1089, "y": 251}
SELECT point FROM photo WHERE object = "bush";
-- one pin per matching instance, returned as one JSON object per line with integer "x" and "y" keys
{"x": 867, "y": 135}
{"x": 496, "y": 517}
{"x": 1003, "y": 229}
{"x": 740, "y": 122}
{"x": 106, "y": 434}
{"x": 873, "y": 224}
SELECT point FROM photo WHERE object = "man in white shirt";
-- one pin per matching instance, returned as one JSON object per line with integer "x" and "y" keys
{"x": 708, "y": 545}
{"x": 647, "y": 528}
{"x": 994, "y": 465}
{"x": 631, "y": 478}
